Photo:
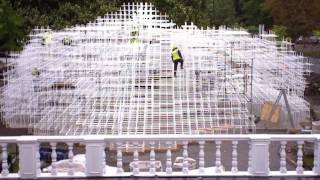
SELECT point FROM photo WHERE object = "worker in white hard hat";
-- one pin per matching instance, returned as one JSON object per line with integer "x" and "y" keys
{"x": 176, "y": 58}
{"x": 36, "y": 79}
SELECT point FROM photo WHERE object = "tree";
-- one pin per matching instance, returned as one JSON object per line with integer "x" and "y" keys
{"x": 280, "y": 31}
{"x": 201, "y": 12}
{"x": 11, "y": 33}
{"x": 19, "y": 17}
{"x": 60, "y": 13}
{"x": 253, "y": 13}
{"x": 301, "y": 17}
{"x": 224, "y": 12}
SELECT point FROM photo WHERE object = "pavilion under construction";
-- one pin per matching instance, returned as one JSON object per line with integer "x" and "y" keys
{"x": 115, "y": 76}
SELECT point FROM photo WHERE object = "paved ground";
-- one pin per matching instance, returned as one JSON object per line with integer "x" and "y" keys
{"x": 315, "y": 67}
{"x": 231, "y": 178}
{"x": 210, "y": 178}
{"x": 223, "y": 178}
{"x": 210, "y": 150}
{"x": 312, "y": 93}
{"x": 4, "y": 131}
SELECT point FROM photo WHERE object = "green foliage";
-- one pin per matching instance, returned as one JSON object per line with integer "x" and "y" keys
{"x": 295, "y": 17}
{"x": 201, "y": 12}
{"x": 19, "y": 17}
{"x": 301, "y": 17}
{"x": 316, "y": 33}
{"x": 182, "y": 11}
{"x": 11, "y": 35}
{"x": 223, "y": 12}
{"x": 253, "y": 29}
{"x": 280, "y": 31}
{"x": 254, "y": 13}
{"x": 60, "y": 13}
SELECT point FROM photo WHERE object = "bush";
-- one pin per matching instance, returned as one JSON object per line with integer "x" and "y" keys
{"x": 253, "y": 29}
{"x": 280, "y": 31}
{"x": 316, "y": 33}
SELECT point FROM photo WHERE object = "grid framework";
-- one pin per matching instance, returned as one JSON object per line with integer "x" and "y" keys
{"x": 116, "y": 77}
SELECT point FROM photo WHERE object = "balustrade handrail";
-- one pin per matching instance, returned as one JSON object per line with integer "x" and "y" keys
{"x": 169, "y": 137}
{"x": 95, "y": 164}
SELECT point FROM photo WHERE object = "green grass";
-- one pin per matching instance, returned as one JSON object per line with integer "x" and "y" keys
{"x": 15, "y": 167}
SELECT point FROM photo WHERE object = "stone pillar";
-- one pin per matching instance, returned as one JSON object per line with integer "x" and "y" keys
{"x": 259, "y": 156}
{"x": 95, "y": 157}
{"x": 28, "y": 148}
{"x": 316, "y": 168}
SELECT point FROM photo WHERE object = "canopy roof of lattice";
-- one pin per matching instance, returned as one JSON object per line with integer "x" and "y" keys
{"x": 115, "y": 76}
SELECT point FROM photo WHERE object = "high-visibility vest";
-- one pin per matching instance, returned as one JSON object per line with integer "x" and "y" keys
{"x": 35, "y": 72}
{"x": 47, "y": 38}
{"x": 67, "y": 41}
{"x": 134, "y": 40}
{"x": 175, "y": 55}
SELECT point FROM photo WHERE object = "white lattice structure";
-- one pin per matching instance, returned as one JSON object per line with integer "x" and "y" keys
{"x": 105, "y": 84}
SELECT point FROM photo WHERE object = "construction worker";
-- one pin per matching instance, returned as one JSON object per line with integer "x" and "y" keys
{"x": 47, "y": 38}
{"x": 67, "y": 41}
{"x": 36, "y": 80}
{"x": 176, "y": 58}
{"x": 134, "y": 39}
{"x": 35, "y": 72}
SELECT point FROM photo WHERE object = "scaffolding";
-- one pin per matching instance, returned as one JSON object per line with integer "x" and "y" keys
{"x": 115, "y": 76}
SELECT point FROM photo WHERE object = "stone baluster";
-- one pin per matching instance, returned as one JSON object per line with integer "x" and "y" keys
{"x": 250, "y": 157}
{"x": 119, "y": 158}
{"x": 299, "y": 168}
{"x": 104, "y": 158}
{"x": 53, "y": 158}
{"x": 201, "y": 157}
{"x": 38, "y": 163}
{"x": 135, "y": 158}
{"x": 185, "y": 168}
{"x": 168, "y": 162}
{"x": 234, "y": 168}
{"x": 152, "y": 159}
{"x": 70, "y": 156}
{"x": 316, "y": 162}
{"x": 283, "y": 165}
{"x": 315, "y": 155}
{"x": 218, "y": 157}
{"x": 5, "y": 171}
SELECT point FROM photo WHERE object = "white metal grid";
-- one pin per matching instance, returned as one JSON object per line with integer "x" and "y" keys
{"x": 104, "y": 84}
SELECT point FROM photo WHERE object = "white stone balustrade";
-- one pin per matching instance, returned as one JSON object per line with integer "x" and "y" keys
{"x": 53, "y": 158}
{"x": 168, "y": 160}
{"x": 96, "y": 156}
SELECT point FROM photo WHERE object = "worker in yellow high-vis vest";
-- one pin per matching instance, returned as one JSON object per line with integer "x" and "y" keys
{"x": 47, "y": 38}
{"x": 67, "y": 41}
{"x": 176, "y": 58}
{"x": 36, "y": 79}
